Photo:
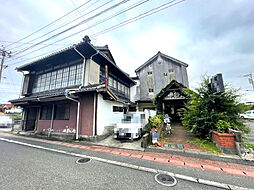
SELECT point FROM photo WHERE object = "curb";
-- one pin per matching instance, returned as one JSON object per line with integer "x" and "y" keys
{"x": 186, "y": 153}
{"x": 201, "y": 155}
{"x": 132, "y": 166}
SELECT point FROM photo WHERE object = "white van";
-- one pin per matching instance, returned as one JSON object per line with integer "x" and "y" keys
{"x": 248, "y": 114}
{"x": 131, "y": 126}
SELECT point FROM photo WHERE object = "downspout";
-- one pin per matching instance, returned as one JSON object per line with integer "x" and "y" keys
{"x": 84, "y": 64}
{"x": 66, "y": 95}
{"x": 78, "y": 112}
{"x": 106, "y": 78}
{"x": 52, "y": 118}
{"x": 95, "y": 117}
{"x": 83, "y": 76}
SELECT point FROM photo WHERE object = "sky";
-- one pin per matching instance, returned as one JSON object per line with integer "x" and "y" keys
{"x": 211, "y": 36}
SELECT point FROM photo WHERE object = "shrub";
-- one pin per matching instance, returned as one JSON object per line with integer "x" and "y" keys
{"x": 223, "y": 126}
{"x": 156, "y": 120}
{"x": 204, "y": 109}
{"x": 147, "y": 127}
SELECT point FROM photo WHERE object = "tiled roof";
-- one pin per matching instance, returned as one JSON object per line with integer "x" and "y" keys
{"x": 54, "y": 93}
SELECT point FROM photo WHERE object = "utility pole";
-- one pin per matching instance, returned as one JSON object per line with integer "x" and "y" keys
{"x": 4, "y": 53}
{"x": 250, "y": 79}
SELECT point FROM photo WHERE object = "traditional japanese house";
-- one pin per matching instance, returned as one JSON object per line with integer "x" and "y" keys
{"x": 78, "y": 90}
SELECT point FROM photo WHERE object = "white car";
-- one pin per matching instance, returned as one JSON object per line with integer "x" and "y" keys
{"x": 130, "y": 127}
{"x": 248, "y": 114}
{"x": 15, "y": 110}
{"x": 5, "y": 121}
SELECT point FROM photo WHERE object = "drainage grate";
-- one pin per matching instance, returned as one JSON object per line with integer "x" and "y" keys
{"x": 83, "y": 160}
{"x": 166, "y": 180}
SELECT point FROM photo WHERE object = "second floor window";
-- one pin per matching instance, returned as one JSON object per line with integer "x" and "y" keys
{"x": 61, "y": 78}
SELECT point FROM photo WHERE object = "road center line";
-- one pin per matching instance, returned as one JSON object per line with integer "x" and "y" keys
{"x": 132, "y": 166}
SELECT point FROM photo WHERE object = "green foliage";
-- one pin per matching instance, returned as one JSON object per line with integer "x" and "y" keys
{"x": 206, "y": 145}
{"x": 147, "y": 127}
{"x": 156, "y": 120}
{"x": 223, "y": 126}
{"x": 154, "y": 99}
{"x": 19, "y": 116}
{"x": 249, "y": 145}
{"x": 164, "y": 133}
{"x": 204, "y": 109}
{"x": 245, "y": 107}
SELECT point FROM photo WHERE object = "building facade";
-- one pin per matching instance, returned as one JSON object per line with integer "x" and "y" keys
{"x": 79, "y": 90}
{"x": 153, "y": 76}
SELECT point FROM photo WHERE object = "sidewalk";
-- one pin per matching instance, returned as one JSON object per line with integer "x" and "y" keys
{"x": 166, "y": 158}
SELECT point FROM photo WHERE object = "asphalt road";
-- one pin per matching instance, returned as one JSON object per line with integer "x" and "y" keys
{"x": 250, "y": 136}
{"x": 28, "y": 168}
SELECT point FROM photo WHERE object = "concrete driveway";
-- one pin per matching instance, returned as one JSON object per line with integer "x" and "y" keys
{"x": 121, "y": 143}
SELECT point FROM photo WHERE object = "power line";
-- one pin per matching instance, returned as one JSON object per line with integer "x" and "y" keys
{"x": 49, "y": 23}
{"x": 65, "y": 24}
{"x": 83, "y": 18}
{"x": 102, "y": 21}
{"x": 29, "y": 43}
{"x": 44, "y": 54}
{"x": 140, "y": 16}
{"x": 76, "y": 25}
{"x": 162, "y": 7}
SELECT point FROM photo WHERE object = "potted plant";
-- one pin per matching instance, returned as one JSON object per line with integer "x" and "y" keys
{"x": 223, "y": 139}
{"x": 223, "y": 126}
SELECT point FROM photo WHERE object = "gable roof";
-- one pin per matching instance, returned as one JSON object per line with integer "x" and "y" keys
{"x": 156, "y": 57}
{"x": 172, "y": 85}
{"x": 87, "y": 50}
{"x": 106, "y": 51}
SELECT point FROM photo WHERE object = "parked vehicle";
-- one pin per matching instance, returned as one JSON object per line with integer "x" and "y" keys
{"x": 5, "y": 121}
{"x": 131, "y": 126}
{"x": 248, "y": 114}
{"x": 15, "y": 110}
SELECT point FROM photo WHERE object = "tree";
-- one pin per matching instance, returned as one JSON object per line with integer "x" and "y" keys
{"x": 204, "y": 110}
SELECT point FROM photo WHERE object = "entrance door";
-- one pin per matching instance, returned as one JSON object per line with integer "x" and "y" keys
{"x": 172, "y": 109}
{"x": 31, "y": 119}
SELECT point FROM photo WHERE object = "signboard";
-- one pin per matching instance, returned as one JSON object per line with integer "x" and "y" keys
{"x": 217, "y": 85}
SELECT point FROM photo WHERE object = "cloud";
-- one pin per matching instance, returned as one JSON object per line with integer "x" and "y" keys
{"x": 211, "y": 36}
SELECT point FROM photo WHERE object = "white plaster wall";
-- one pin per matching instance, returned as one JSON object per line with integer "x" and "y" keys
{"x": 134, "y": 92}
{"x": 105, "y": 114}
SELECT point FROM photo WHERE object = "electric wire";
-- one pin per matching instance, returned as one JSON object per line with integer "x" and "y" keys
{"x": 102, "y": 21}
{"x": 143, "y": 15}
{"x": 49, "y": 23}
{"x": 83, "y": 18}
{"x": 76, "y": 25}
{"x": 65, "y": 24}
{"x": 30, "y": 43}
{"x": 140, "y": 16}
